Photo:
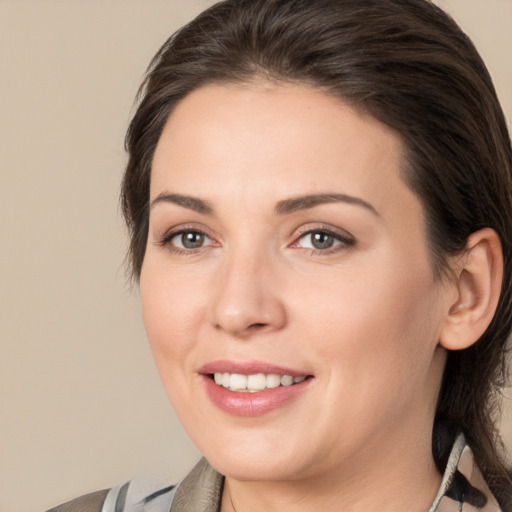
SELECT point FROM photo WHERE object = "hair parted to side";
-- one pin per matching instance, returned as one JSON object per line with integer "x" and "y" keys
{"x": 409, "y": 65}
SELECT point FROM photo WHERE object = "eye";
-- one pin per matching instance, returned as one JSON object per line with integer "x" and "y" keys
{"x": 189, "y": 240}
{"x": 318, "y": 240}
{"x": 185, "y": 240}
{"x": 323, "y": 240}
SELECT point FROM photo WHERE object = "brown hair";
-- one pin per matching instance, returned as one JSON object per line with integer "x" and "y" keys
{"x": 409, "y": 65}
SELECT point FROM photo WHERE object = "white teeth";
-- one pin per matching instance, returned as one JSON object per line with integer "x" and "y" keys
{"x": 286, "y": 380}
{"x": 254, "y": 382}
{"x": 273, "y": 380}
{"x": 237, "y": 382}
{"x": 257, "y": 381}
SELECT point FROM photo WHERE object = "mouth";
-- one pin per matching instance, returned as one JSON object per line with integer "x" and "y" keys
{"x": 254, "y": 382}
{"x": 252, "y": 388}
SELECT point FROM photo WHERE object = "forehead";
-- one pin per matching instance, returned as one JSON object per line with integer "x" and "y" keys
{"x": 240, "y": 139}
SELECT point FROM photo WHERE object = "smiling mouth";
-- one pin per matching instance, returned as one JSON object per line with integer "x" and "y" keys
{"x": 254, "y": 383}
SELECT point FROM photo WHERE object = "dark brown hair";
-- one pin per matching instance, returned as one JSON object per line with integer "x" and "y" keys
{"x": 410, "y": 66}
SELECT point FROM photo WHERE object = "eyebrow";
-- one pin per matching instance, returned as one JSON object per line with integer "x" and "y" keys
{"x": 189, "y": 202}
{"x": 310, "y": 201}
{"x": 283, "y": 207}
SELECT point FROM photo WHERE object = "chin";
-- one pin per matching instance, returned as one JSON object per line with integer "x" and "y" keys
{"x": 244, "y": 467}
{"x": 256, "y": 455}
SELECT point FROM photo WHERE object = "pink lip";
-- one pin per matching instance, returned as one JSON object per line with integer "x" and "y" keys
{"x": 250, "y": 404}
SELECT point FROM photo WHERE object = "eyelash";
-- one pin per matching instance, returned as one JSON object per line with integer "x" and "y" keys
{"x": 346, "y": 241}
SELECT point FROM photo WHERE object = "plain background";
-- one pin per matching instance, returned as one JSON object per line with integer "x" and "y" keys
{"x": 81, "y": 406}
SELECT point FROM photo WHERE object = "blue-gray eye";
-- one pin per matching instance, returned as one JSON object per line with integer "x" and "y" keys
{"x": 322, "y": 240}
{"x": 189, "y": 240}
{"x": 319, "y": 240}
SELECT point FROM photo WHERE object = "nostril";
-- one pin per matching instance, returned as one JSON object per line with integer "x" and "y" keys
{"x": 256, "y": 326}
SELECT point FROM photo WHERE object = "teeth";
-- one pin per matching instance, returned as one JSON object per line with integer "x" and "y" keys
{"x": 254, "y": 382}
{"x": 237, "y": 382}
{"x": 273, "y": 380}
{"x": 286, "y": 380}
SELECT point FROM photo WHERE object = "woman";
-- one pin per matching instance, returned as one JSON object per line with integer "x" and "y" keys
{"x": 318, "y": 196}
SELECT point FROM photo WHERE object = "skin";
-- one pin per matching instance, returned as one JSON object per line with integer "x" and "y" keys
{"x": 363, "y": 318}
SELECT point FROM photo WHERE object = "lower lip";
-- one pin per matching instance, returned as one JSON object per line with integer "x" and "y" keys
{"x": 252, "y": 404}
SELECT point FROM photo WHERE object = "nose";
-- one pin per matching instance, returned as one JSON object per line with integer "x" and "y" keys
{"x": 246, "y": 299}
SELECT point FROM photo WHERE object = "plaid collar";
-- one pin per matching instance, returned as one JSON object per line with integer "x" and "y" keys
{"x": 463, "y": 488}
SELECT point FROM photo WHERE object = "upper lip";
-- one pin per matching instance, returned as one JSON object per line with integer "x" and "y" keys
{"x": 249, "y": 368}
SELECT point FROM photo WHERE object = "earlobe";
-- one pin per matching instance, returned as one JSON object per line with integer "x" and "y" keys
{"x": 478, "y": 281}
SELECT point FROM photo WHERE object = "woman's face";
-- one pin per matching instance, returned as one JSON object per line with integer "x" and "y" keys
{"x": 284, "y": 248}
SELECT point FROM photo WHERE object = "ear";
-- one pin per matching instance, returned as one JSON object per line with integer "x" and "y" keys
{"x": 478, "y": 278}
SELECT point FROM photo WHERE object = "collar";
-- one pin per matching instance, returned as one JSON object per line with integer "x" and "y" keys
{"x": 463, "y": 487}
{"x": 200, "y": 491}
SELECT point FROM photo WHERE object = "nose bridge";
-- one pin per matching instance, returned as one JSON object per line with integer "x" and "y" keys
{"x": 245, "y": 296}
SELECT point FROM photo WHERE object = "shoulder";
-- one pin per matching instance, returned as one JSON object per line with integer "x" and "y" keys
{"x": 200, "y": 490}
{"x": 92, "y": 502}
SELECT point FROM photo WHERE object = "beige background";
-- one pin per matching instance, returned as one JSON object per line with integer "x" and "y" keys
{"x": 80, "y": 402}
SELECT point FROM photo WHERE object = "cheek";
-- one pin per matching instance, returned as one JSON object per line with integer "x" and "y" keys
{"x": 378, "y": 326}
{"x": 170, "y": 311}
